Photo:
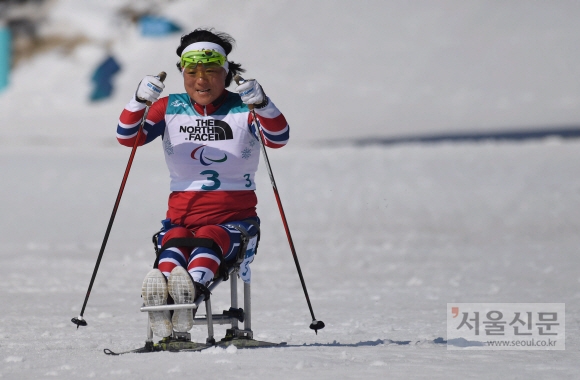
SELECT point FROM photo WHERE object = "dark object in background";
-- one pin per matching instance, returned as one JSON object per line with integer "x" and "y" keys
{"x": 103, "y": 78}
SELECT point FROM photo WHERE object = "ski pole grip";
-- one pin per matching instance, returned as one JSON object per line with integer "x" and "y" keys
{"x": 161, "y": 76}
{"x": 239, "y": 80}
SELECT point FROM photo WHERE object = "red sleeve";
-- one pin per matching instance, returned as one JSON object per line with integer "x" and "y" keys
{"x": 275, "y": 130}
{"x": 130, "y": 122}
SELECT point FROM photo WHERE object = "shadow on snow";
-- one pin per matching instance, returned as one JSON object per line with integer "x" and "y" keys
{"x": 566, "y": 132}
{"x": 369, "y": 343}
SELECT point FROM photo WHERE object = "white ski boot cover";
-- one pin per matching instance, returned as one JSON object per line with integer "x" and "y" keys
{"x": 154, "y": 292}
{"x": 182, "y": 291}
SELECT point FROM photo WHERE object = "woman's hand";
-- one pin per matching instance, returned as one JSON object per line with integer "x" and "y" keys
{"x": 251, "y": 92}
{"x": 149, "y": 89}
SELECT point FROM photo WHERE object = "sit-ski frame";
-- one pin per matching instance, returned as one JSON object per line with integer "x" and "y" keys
{"x": 232, "y": 316}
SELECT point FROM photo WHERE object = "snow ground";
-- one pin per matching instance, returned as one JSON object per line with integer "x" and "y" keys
{"x": 386, "y": 235}
{"x": 386, "y": 238}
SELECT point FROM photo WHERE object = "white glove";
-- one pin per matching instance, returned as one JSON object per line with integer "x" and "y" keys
{"x": 251, "y": 92}
{"x": 149, "y": 89}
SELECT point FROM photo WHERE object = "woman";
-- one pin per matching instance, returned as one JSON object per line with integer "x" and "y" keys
{"x": 212, "y": 153}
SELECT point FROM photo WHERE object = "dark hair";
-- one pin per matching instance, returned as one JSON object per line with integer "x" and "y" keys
{"x": 210, "y": 35}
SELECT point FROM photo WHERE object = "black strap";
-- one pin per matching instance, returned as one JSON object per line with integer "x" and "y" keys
{"x": 201, "y": 289}
{"x": 190, "y": 243}
{"x": 254, "y": 223}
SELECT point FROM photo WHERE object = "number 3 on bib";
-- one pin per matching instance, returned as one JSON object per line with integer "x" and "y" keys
{"x": 248, "y": 180}
{"x": 212, "y": 176}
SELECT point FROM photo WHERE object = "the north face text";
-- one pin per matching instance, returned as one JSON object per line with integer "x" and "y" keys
{"x": 207, "y": 130}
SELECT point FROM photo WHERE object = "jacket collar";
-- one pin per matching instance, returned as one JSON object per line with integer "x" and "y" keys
{"x": 212, "y": 107}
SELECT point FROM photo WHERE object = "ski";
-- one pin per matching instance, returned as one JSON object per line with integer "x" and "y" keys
{"x": 177, "y": 345}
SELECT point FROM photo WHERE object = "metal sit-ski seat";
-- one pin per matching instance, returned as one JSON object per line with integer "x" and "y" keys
{"x": 240, "y": 337}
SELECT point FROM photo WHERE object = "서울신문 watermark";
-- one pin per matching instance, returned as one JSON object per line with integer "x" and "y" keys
{"x": 506, "y": 326}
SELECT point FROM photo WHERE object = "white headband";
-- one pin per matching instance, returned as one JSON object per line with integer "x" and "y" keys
{"x": 204, "y": 45}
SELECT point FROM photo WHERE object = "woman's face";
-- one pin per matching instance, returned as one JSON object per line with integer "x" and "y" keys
{"x": 204, "y": 83}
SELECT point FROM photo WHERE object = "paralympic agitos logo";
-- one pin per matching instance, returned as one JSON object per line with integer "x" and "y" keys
{"x": 207, "y": 130}
{"x": 205, "y": 160}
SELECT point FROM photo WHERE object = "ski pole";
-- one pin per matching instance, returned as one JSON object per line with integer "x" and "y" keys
{"x": 315, "y": 325}
{"x": 80, "y": 321}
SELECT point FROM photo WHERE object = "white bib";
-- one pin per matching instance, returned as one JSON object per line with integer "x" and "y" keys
{"x": 207, "y": 153}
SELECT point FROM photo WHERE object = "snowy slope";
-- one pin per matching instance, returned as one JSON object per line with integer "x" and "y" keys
{"x": 382, "y": 258}
{"x": 386, "y": 236}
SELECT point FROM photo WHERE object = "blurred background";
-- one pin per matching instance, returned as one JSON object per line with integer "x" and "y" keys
{"x": 340, "y": 71}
